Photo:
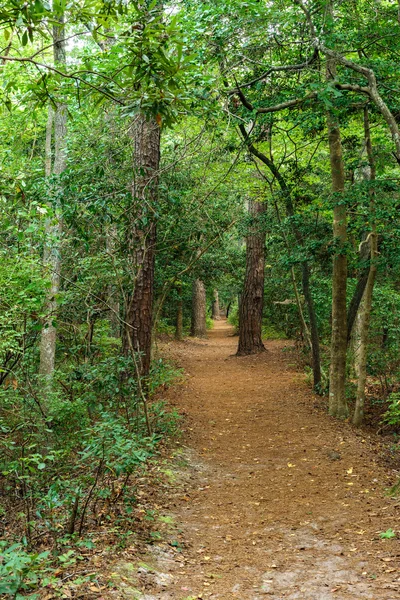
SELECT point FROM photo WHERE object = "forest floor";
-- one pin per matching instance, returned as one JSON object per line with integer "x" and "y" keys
{"x": 273, "y": 498}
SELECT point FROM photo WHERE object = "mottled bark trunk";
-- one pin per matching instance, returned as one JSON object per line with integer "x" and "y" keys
{"x": 365, "y": 315}
{"x": 215, "y": 306}
{"x": 52, "y": 250}
{"x": 198, "y": 325}
{"x": 252, "y": 298}
{"x": 337, "y": 376}
{"x": 141, "y": 240}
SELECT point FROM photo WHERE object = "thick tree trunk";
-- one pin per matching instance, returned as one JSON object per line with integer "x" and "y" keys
{"x": 366, "y": 305}
{"x": 317, "y": 372}
{"x": 198, "y": 326}
{"x": 337, "y": 376}
{"x": 252, "y": 298}
{"x": 52, "y": 254}
{"x": 215, "y": 307}
{"x": 141, "y": 241}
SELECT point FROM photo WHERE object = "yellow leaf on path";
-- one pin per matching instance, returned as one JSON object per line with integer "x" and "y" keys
{"x": 290, "y": 465}
{"x": 349, "y": 471}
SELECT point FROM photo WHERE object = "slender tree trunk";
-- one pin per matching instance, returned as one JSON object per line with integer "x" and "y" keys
{"x": 142, "y": 240}
{"x": 337, "y": 376}
{"x": 312, "y": 317}
{"x": 303, "y": 324}
{"x": 52, "y": 251}
{"x": 215, "y": 307}
{"x": 366, "y": 305}
{"x": 112, "y": 290}
{"x": 252, "y": 298}
{"x": 179, "y": 317}
{"x": 198, "y": 326}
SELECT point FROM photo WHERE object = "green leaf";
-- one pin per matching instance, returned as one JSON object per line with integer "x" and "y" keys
{"x": 387, "y": 535}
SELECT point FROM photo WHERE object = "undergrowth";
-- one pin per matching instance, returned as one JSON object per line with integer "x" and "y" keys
{"x": 70, "y": 459}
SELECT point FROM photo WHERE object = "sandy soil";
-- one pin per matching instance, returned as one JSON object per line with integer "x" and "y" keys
{"x": 280, "y": 501}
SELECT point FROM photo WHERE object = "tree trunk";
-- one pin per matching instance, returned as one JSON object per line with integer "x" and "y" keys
{"x": 365, "y": 316}
{"x": 141, "y": 240}
{"x": 215, "y": 307}
{"x": 179, "y": 317}
{"x": 312, "y": 317}
{"x": 317, "y": 371}
{"x": 337, "y": 376}
{"x": 51, "y": 255}
{"x": 198, "y": 327}
{"x": 113, "y": 291}
{"x": 252, "y": 298}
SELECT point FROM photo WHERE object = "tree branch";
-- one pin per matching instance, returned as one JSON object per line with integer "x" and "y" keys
{"x": 364, "y": 71}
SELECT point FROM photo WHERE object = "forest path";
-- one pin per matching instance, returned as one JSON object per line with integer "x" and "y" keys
{"x": 282, "y": 501}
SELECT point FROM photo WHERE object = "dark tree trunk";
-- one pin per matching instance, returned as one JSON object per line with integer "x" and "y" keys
{"x": 313, "y": 327}
{"x": 290, "y": 213}
{"x": 142, "y": 239}
{"x": 252, "y": 298}
{"x": 179, "y": 317}
{"x": 198, "y": 327}
{"x": 215, "y": 307}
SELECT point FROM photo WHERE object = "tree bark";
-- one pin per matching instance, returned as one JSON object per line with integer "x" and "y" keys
{"x": 198, "y": 326}
{"x": 215, "y": 307}
{"x": 337, "y": 375}
{"x": 356, "y": 301}
{"x": 252, "y": 298}
{"x": 141, "y": 240}
{"x": 52, "y": 250}
{"x": 179, "y": 317}
{"x": 317, "y": 371}
{"x": 113, "y": 292}
{"x": 312, "y": 317}
{"x": 366, "y": 305}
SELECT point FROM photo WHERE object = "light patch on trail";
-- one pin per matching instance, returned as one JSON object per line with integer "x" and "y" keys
{"x": 324, "y": 575}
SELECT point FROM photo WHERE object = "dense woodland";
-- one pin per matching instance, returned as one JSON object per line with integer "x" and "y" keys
{"x": 163, "y": 165}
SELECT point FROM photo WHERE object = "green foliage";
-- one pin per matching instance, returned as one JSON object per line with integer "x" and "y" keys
{"x": 392, "y": 415}
{"x": 387, "y": 535}
{"x": 233, "y": 318}
{"x": 21, "y": 570}
{"x": 270, "y": 332}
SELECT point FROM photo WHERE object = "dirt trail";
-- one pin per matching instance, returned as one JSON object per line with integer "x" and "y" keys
{"x": 283, "y": 502}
